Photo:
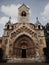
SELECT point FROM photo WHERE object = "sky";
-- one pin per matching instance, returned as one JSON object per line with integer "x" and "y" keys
{"x": 38, "y": 8}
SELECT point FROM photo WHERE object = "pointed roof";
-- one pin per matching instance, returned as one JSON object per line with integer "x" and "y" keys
{"x": 9, "y": 22}
{"x": 37, "y": 21}
{"x": 24, "y": 5}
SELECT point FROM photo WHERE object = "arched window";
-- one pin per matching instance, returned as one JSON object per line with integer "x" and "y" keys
{"x": 38, "y": 26}
{"x": 23, "y": 13}
{"x": 8, "y": 27}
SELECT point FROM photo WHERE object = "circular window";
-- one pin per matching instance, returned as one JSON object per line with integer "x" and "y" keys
{"x": 23, "y": 13}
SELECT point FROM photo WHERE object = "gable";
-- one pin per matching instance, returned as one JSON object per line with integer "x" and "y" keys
{"x": 21, "y": 30}
{"x": 23, "y": 5}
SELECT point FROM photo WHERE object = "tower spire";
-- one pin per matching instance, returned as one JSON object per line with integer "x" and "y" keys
{"x": 37, "y": 21}
{"x": 9, "y": 19}
{"x": 37, "y": 18}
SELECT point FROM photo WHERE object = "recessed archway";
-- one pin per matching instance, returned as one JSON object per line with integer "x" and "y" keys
{"x": 24, "y": 45}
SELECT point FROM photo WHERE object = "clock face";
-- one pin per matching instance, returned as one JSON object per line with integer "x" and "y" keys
{"x": 23, "y": 13}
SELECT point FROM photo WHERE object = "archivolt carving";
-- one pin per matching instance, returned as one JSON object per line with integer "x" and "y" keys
{"x": 24, "y": 42}
{"x": 22, "y": 29}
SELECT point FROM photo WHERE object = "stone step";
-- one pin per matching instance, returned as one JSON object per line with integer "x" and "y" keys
{"x": 24, "y": 60}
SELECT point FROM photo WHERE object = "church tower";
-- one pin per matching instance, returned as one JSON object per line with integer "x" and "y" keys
{"x": 23, "y": 14}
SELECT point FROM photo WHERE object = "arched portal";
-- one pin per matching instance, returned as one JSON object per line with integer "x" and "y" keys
{"x": 24, "y": 47}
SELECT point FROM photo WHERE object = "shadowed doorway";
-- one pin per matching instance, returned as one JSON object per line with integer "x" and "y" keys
{"x": 23, "y": 53}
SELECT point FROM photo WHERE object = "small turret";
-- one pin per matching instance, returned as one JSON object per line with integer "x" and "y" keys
{"x": 8, "y": 24}
{"x": 38, "y": 24}
{"x": 8, "y": 27}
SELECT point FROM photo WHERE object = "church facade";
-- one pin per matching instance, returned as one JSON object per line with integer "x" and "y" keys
{"x": 23, "y": 39}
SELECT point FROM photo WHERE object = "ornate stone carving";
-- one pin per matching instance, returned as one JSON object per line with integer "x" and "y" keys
{"x": 22, "y": 29}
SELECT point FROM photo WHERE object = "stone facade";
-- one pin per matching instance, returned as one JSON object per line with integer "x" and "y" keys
{"x": 23, "y": 39}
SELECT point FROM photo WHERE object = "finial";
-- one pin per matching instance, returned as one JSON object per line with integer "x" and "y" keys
{"x": 37, "y": 18}
{"x": 9, "y": 19}
{"x": 23, "y": 3}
